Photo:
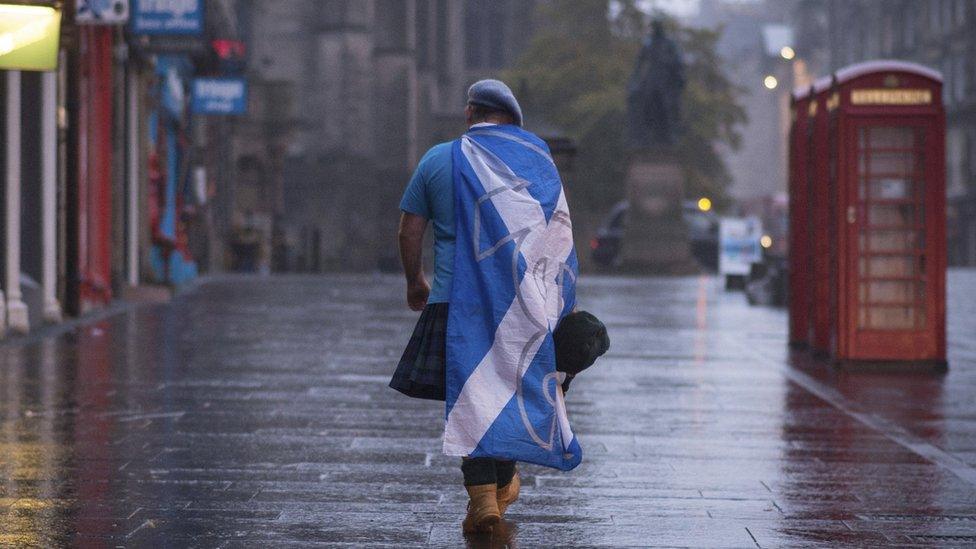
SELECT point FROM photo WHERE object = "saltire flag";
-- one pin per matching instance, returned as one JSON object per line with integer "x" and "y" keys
{"x": 515, "y": 272}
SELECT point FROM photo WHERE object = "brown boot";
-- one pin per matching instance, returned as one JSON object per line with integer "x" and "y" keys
{"x": 482, "y": 509}
{"x": 508, "y": 494}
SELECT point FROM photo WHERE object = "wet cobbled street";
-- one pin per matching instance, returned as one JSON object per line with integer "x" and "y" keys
{"x": 254, "y": 412}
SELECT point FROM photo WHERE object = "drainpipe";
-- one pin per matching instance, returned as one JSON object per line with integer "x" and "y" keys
{"x": 132, "y": 200}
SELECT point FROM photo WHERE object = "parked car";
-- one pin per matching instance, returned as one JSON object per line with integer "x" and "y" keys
{"x": 702, "y": 227}
{"x": 605, "y": 246}
{"x": 767, "y": 284}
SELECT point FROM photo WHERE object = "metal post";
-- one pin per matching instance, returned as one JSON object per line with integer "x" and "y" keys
{"x": 16, "y": 309}
{"x": 49, "y": 196}
{"x": 132, "y": 117}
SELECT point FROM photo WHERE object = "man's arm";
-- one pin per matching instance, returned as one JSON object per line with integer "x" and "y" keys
{"x": 411, "y": 237}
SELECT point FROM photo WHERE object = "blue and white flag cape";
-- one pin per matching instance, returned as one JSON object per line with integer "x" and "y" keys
{"x": 515, "y": 274}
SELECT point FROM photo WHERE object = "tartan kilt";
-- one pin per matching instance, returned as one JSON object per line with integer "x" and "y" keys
{"x": 422, "y": 368}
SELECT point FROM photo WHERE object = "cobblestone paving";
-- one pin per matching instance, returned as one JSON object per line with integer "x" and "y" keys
{"x": 254, "y": 412}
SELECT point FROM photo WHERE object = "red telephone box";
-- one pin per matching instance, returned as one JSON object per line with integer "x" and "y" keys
{"x": 799, "y": 235}
{"x": 819, "y": 218}
{"x": 886, "y": 172}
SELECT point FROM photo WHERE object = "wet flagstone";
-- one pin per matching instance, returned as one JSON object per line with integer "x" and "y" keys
{"x": 254, "y": 412}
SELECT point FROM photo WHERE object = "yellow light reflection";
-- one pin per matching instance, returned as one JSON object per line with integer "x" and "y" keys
{"x": 704, "y": 204}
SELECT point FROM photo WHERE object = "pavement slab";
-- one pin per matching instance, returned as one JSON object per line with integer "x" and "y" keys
{"x": 255, "y": 412}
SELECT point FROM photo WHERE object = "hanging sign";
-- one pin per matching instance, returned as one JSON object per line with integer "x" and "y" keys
{"x": 29, "y": 37}
{"x": 173, "y": 72}
{"x": 102, "y": 12}
{"x": 219, "y": 96}
{"x": 167, "y": 17}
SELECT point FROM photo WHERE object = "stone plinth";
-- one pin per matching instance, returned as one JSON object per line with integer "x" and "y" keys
{"x": 655, "y": 237}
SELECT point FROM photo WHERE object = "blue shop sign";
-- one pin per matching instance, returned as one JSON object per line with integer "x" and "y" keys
{"x": 219, "y": 96}
{"x": 166, "y": 16}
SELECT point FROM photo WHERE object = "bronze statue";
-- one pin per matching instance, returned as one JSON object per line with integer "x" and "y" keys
{"x": 654, "y": 92}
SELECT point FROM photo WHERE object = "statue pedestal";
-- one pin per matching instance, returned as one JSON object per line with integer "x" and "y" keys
{"x": 655, "y": 239}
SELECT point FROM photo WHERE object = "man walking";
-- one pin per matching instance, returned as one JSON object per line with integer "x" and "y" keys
{"x": 504, "y": 274}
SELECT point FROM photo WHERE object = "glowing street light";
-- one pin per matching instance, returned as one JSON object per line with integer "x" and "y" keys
{"x": 766, "y": 241}
{"x": 787, "y": 53}
{"x": 770, "y": 82}
{"x": 704, "y": 204}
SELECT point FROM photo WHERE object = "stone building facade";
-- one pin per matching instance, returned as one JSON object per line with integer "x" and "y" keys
{"x": 346, "y": 97}
{"x": 934, "y": 33}
{"x": 758, "y": 167}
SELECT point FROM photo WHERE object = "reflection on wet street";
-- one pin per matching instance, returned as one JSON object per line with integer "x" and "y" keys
{"x": 254, "y": 411}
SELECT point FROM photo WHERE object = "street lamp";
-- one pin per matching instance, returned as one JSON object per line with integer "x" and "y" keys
{"x": 704, "y": 204}
{"x": 787, "y": 53}
{"x": 770, "y": 82}
{"x": 766, "y": 241}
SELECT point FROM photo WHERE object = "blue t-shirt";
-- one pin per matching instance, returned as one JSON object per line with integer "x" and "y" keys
{"x": 430, "y": 194}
